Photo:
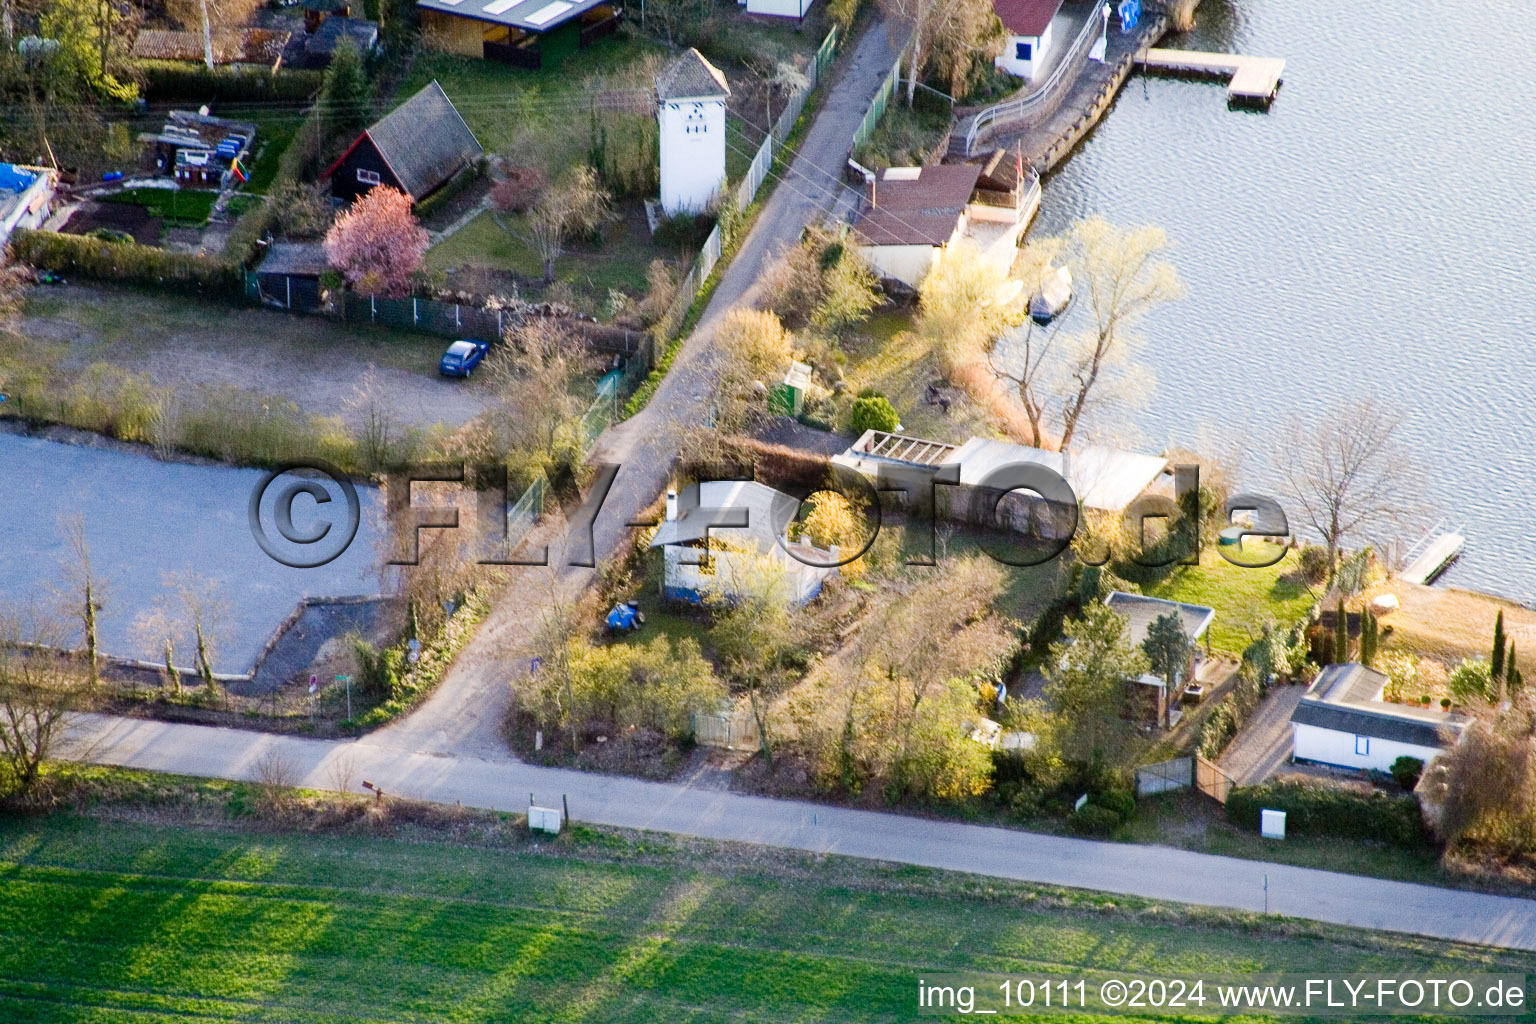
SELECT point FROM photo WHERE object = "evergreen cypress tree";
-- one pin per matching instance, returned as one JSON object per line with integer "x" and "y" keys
{"x": 1512, "y": 678}
{"x": 344, "y": 93}
{"x": 1368, "y": 637}
{"x": 1341, "y": 634}
{"x": 1496, "y": 663}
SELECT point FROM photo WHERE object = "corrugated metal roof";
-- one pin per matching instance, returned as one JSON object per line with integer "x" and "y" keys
{"x": 768, "y": 512}
{"x": 1347, "y": 698}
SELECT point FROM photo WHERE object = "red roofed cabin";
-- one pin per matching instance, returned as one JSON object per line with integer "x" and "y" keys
{"x": 911, "y": 216}
{"x": 1030, "y": 35}
{"x": 417, "y": 148}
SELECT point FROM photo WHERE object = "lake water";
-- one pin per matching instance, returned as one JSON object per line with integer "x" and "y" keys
{"x": 153, "y": 527}
{"x": 1374, "y": 230}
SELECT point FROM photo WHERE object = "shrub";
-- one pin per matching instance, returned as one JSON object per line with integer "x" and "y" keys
{"x": 1314, "y": 563}
{"x": 1406, "y": 771}
{"x": 127, "y": 262}
{"x": 1093, "y": 820}
{"x": 171, "y": 81}
{"x": 1121, "y": 801}
{"x": 873, "y": 412}
{"x": 1319, "y": 809}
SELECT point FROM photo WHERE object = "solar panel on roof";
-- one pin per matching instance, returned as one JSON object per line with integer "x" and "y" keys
{"x": 549, "y": 12}
{"x": 501, "y": 6}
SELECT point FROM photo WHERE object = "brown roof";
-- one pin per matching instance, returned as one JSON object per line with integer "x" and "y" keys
{"x": 691, "y": 77}
{"x": 1026, "y": 17}
{"x": 230, "y": 46}
{"x": 1002, "y": 171}
{"x": 924, "y": 210}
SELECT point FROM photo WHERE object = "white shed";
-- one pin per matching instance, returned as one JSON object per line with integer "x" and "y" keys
{"x": 700, "y": 559}
{"x": 690, "y": 110}
{"x": 1343, "y": 721}
{"x": 1030, "y": 25}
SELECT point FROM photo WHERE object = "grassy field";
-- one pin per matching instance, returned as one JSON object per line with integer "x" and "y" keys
{"x": 116, "y": 921}
{"x": 591, "y": 270}
{"x": 179, "y": 206}
{"x": 1244, "y": 598}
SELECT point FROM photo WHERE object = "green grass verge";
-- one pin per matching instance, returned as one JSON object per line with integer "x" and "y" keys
{"x": 115, "y": 922}
{"x": 180, "y": 206}
{"x": 1244, "y": 599}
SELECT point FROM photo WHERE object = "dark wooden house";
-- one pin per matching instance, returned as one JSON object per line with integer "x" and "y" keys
{"x": 417, "y": 148}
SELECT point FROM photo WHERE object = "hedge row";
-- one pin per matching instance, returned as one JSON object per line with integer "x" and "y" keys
{"x": 1316, "y": 808}
{"x": 173, "y": 81}
{"x": 127, "y": 262}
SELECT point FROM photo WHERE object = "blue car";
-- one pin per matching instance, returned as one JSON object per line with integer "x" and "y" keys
{"x": 462, "y": 357}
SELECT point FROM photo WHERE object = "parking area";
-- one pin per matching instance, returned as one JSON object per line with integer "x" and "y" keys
{"x": 312, "y": 361}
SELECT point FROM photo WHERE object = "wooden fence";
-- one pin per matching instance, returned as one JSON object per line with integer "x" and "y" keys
{"x": 1183, "y": 773}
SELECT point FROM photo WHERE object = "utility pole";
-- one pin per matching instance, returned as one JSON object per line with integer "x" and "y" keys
{"x": 207, "y": 38}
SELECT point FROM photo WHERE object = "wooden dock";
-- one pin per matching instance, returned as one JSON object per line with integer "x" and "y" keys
{"x": 1432, "y": 561}
{"x": 1252, "y": 79}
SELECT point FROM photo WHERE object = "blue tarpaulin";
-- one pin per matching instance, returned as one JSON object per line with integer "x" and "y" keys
{"x": 15, "y": 179}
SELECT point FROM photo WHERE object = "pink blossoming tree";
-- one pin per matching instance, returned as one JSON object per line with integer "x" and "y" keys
{"x": 378, "y": 244}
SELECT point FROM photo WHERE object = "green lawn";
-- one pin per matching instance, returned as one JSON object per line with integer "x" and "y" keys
{"x": 114, "y": 922}
{"x": 1244, "y": 598}
{"x": 182, "y": 206}
{"x": 273, "y": 135}
{"x": 618, "y": 262}
{"x": 544, "y": 112}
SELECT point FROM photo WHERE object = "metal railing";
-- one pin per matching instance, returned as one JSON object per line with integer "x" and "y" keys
{"x": 1010, "y": 109}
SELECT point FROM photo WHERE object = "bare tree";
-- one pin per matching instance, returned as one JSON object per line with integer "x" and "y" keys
{"x": 574, "y": 204}
{"x": 1483, "y": 789}
{"x": 943, "y": 33}
{"x": 533, "y": 378}
{"x": 756, "y": 630}
{"x": 84, "y": 591}
{"x": 211, "y": 17}
{"x": 1124, "y": 277}
{"x": 372, "y": 408}
{"x": 1346, "y": 470}
{"x": 38, "y": 693}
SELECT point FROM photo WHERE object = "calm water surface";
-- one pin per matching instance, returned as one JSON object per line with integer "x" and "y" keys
{"x": 1375, "y": 230}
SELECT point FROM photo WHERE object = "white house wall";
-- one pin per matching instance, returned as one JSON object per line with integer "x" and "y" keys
{"x": 692, "y": 153}
{"x": 779, "y": 8}
{"x": 685, "y": 581}
{"x": 1039, "y": 46}
{"x": 1329, "y": 746}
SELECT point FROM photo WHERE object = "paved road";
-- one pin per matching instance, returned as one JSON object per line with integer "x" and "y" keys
{"x": 1154, "y": 871}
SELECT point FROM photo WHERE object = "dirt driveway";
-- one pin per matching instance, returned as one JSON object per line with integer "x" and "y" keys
{"x": 313, "y": 361}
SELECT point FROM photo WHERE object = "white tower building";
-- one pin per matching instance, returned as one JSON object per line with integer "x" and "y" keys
{"x": 690, "y": 108}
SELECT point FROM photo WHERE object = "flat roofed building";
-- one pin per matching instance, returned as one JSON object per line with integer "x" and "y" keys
{"x": 1342, "y": 720}
{"x": 515, "y": 31}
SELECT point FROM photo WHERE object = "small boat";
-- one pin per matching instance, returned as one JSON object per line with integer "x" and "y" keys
{"x": 1054, "y": 295}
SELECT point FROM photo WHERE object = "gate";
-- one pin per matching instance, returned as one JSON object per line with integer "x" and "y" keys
{"x": 735, "y": 730}
{"x": 1182, "y": 773}
{"x": 1211, "y": 780}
